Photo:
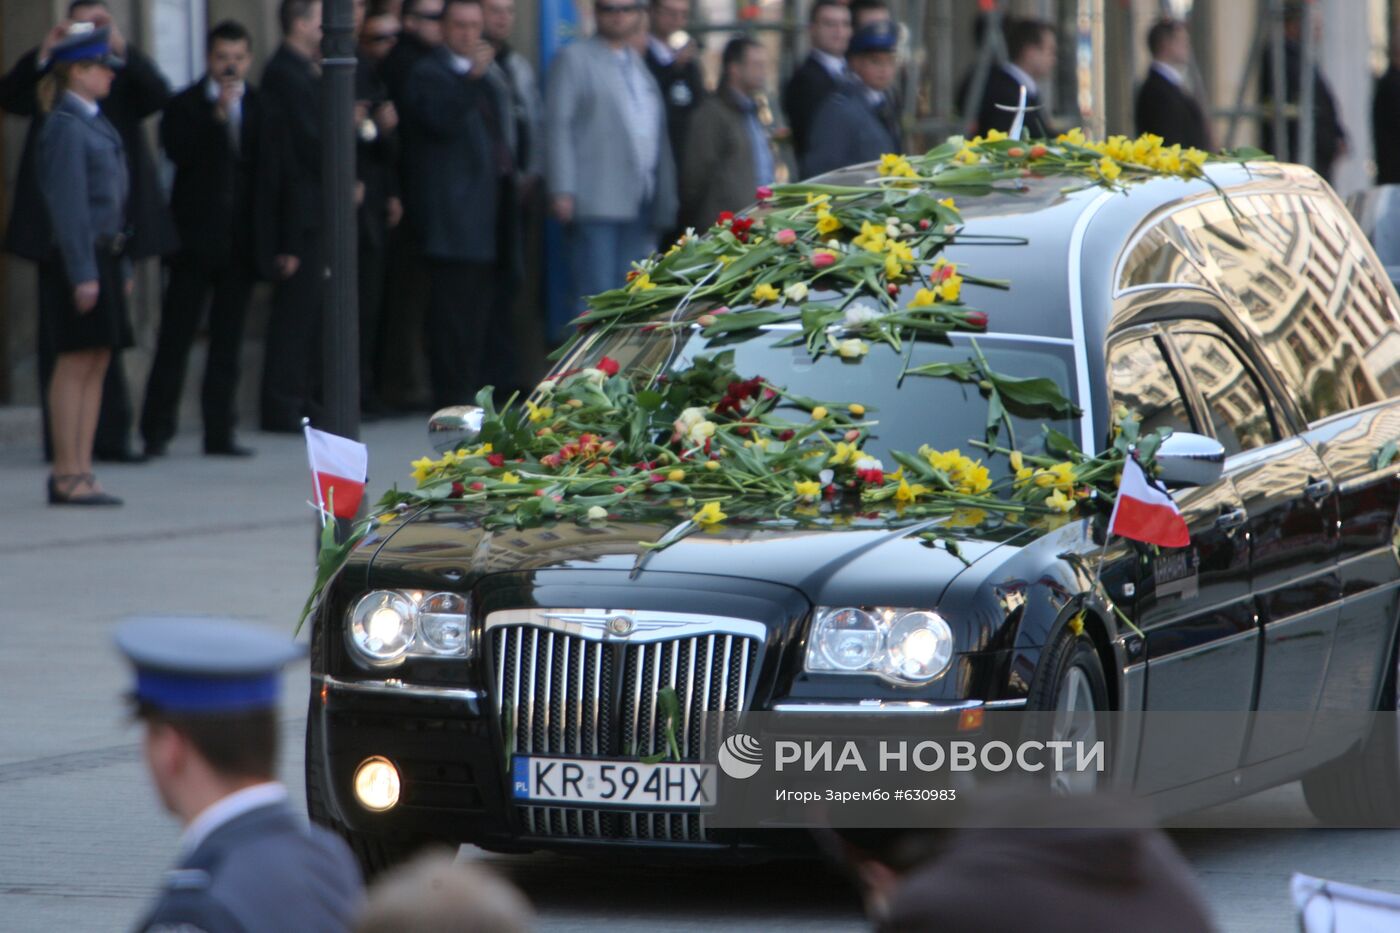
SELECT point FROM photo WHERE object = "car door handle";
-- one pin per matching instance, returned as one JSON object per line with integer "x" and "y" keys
{"x": 1318, "y": 489}
{"x": 1229, "y": 521}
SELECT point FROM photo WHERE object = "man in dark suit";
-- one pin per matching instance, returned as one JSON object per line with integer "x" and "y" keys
{"x": 210, "y": 133}
{"x": 458, "y": 167}
{"x": 422, "y": 32}
{"x": 1165, "y": 105}
{"x": 138, "y": 91}
{"x": 377, "y": 171}
{"x": 1329, "y": 136}
{"x": 858, "y": 123}
{"x": 675, "y": 66}
{"x": 206, "y": 693}
{"x": 1031, "y": 54}
{"x": 1385, "y": 120}
{"x": 288, "y": 218}
{"x": 821, "y": 72}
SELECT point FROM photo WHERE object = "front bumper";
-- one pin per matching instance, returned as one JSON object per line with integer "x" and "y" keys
{"x": 455, "y": 785}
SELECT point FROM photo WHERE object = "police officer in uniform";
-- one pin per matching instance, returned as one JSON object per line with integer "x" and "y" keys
{"x": 206, "y": 691}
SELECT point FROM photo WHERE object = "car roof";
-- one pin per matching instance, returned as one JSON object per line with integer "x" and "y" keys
{"x": 1025, "y": 237}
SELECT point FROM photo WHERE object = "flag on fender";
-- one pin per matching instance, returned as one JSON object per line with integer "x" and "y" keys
{"x": 1145, "y": 512}
{"x": 339, "y": 464}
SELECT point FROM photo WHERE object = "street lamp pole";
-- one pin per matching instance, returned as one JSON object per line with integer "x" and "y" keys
{"x": 340, "y": 305}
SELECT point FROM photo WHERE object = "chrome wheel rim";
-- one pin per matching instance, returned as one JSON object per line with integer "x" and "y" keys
{"x": 1075, "y": 721}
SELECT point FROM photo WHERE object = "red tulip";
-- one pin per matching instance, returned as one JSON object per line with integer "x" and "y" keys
{"x": 823, "y": 259}
{"x": 786, "y": 237}
{"x": 763, "y": 193}
{"x": 977, "y": 318}
{"x": 496, "y": 460}
{"x": 609, "y": 366}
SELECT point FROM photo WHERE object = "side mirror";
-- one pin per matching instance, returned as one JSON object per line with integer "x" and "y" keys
{"x": 1187, "y": 459}
{"x": 455, "y": 426}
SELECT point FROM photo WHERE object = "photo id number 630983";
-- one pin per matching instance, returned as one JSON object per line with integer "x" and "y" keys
{"x": 672, "y": 784}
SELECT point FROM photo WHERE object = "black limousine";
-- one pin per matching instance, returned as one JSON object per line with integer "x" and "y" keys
{"x": 1245, "y": 312}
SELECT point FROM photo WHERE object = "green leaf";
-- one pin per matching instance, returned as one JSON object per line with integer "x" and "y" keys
{"x": 921, "y": 467}
{"x": 748, "y": 320}
{"x": 1385, "y": 456}
{"x": 1033, "y": 392}
{"x": 649, "y": 400}
{"x": 1059, "y": 444}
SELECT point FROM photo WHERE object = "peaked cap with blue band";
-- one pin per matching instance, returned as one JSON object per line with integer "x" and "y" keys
{"x": 204, "y": 665}
{"x": 86, "y": 45}
{"x": 879, "y": 36}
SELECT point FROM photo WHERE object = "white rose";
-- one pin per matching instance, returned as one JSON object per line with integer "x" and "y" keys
{"x": 547, "y": 386}
{"x": 892, "y": 231}
{"x": 859, "y": 314}
{"x": 795, "y": 292}
{"x": 595, "y": 376}
{"x": 692, "y": 416}
{"x": 852, "y": 349}
{"x": 597, "y": 514}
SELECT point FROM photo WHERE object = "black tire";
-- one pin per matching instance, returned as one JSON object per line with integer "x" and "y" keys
{"x": 375, "y": 854}
{"x": 1070, "y": 673}
{"x": 1362, "y": 788}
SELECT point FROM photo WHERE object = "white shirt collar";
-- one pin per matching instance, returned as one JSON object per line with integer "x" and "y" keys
{"x": 212, "y": 87}
{"x": 660, "y": 50}
{"x": 1022, "y": 78}
{"x": 460, "y": 63}
{"x": 89, "y": 107}
{"x": 835, "y": 65}
{"x": 228, "y": 809}
{"x": 1169, "y": 72}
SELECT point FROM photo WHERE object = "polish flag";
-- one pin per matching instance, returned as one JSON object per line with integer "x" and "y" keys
{"x": 340, "y": 464}
{"x": 1144, "y": 511}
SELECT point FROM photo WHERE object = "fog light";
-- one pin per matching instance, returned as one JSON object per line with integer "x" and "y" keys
{"x": 377, "y": 784}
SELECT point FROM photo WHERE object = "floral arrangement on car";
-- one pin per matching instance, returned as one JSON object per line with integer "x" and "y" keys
{"x": 875, "y": 246}
{"x": 718, "y": 445}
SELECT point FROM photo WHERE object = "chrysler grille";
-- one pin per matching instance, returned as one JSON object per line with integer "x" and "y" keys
{"x": 567, "y": 684}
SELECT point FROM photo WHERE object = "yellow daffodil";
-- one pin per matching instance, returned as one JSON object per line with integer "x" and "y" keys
{"x": 872, "y": 237}
{"x": 710, "y": 514}
{"x": 949, "y": 203}
{"x": 538, "y": 413}
{"x": 1109, "y": 170}
{"x": 896, "y": 166}
{"x": 1074, "y": 137}
{"x": 1076, "y": 624}
{"x": 1059, "y": 476}
{"x": 996, "y": 136}
{"x": 819, "y": 199}
{"x": 510, "y": 479}
{"x": 1194, "y": 157}
{"x": 808, "y": 490}
{"x": 967, "y": 157}
{"x": 766, "y": 292}
{"x": 844, "y": 453}
{"x": 827, "y": 222}
{"x": 725, "y": 260}
{"x": 423, "y": 467}
{"x": 642, "y": 283}
{"x": 966, "y": 475}
{"x": 1060, "y": 502}
{"x": 924, "y": 298}
{"x": 387, "y": 517}
{"x": 906, "y": 493}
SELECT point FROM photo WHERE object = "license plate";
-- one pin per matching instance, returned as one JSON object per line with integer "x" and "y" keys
{"x": 591, "y": 781}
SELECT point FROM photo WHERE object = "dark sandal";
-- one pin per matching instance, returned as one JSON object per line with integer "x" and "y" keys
{"x": 61, "y": 486}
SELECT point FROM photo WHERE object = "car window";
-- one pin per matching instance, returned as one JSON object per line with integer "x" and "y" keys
{"x": 1238, "y": 408}
{"x": 1141, "y": 380}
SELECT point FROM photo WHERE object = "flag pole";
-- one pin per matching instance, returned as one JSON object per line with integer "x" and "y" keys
{"x": 311, "y": 460}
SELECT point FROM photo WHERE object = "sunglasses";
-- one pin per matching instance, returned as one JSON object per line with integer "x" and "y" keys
{"x": 616, "y": 8}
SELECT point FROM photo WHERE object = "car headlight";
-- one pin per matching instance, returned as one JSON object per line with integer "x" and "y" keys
{"x": 908, "y": 646}
{"x": 386, "y": 626}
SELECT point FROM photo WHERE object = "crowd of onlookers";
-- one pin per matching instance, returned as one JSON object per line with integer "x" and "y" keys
{"x": 461, "y": 153}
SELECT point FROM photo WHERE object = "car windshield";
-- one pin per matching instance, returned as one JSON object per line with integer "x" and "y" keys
{"x": 941, "y": 412}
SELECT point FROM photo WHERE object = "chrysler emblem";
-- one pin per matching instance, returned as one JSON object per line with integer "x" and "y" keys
{"x": 621, "y": 625}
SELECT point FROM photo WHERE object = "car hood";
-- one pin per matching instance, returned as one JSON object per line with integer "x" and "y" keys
{"x": 839, "y": 558}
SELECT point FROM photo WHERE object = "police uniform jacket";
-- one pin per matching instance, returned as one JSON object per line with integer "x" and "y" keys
{"x": 138, "y": 91}
{"x": 263, "y": 870}
{"x": 455, "y": 152}
{"x": 849, "y": 129}
{"x": 83, "y": 179}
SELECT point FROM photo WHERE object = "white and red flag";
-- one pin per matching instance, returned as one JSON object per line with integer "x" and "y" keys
{"x": 337, "y": 464}
{"x": 1145, "y": 512}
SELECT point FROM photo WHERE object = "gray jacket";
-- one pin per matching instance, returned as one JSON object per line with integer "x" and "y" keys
{"x": 590, "y": 156}
{"x": 264, "y": 870}
{"x": 83, "y": 178}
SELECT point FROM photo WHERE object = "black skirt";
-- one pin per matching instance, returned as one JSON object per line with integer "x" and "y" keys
{"x": 106, "y": 325}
